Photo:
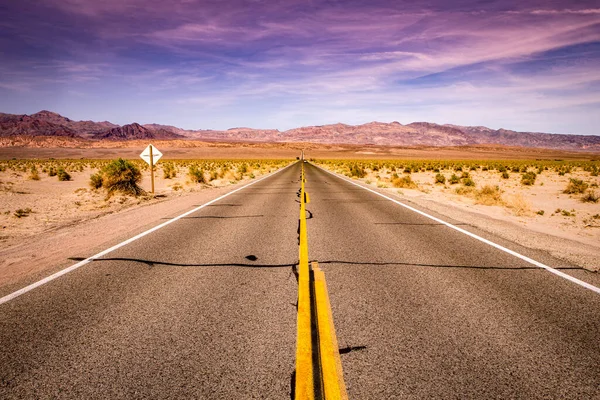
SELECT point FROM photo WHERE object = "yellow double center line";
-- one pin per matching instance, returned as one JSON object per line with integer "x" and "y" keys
{"x": 318, "y": 366}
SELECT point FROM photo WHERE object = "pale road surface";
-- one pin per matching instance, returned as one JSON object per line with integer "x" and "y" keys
{"x": 204, "y": 308}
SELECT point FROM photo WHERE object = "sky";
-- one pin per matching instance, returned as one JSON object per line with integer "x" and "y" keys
{"x": 526, "y": 65}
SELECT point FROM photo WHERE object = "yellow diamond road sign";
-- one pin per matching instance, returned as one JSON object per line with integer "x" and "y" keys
{"x": 156, "y": 154}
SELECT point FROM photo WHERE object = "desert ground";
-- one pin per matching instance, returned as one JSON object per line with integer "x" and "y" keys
{"x": 35, "y": 212}
{"x": 30, "y": 205}
{"x": 44, "y": 148}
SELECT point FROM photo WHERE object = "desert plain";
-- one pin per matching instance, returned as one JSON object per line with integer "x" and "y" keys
{"x": 47, "y": 224}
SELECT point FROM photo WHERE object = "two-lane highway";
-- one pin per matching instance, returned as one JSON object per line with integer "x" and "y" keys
{"x": 202, "y": 308}
{"x": 205, "y": 308}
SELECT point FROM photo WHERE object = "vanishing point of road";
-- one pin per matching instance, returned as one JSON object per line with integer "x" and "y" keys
{"x": 205, "y": 308}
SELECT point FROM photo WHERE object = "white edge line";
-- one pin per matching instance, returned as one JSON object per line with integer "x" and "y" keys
{"x": 73, "y": 267}
{"x": 474, "y": 236}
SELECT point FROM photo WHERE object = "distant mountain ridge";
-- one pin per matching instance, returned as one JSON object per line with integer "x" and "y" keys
{"x": 46, "y": 123}
{"x": 135, "y": 132}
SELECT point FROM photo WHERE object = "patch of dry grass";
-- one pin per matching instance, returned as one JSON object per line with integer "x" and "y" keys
{"x": 518, "y": 205}
{"x": 465, "y": 190}
{"x": 405, "y": 182}
{"x": 590, "y": 196}
{"x": 489, "y": 195}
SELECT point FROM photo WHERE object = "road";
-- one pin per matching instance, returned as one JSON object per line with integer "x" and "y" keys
{"x": 205, "y": 308}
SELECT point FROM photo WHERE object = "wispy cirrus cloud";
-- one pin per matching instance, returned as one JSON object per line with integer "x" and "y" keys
{"x": 236, "y": 55}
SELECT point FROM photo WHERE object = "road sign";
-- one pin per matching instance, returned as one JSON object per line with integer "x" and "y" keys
{"x": 151, "y": 155}
{"x": 156, "y": 154}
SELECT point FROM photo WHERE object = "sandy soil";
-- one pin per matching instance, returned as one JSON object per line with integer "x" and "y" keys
{"x": 539, "y": 216}
{"x": 48, "y": 204}
{"x": 197, "y": 149}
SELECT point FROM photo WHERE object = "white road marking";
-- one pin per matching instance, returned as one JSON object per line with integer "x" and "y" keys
{"x": 65, "y": 271}
{"x": 474, "y": 236}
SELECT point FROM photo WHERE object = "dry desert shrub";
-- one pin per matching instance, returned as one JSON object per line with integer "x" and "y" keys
{"x": 20, "y": 213}
{"x": 34, "y": 175}
{"x": 196, "y": 174}
{"x": 465, "y": 190}
{"x": 575, "y": 186}
{"x": 405, "y": 182}
{"x": 357, "y": 171}
{"x": 63, "y": 175}
{"x": 96, "y": 180}
{"x": 489, "y": 195}
{"x": 528, "y": 178}
{"x": 440, "y": 178}
{"x": 590, "y": 197}
{"x": 169, "y": 170}
{"x": 468, "y": 182}
{"x": 518, "y": 205}
{"x": 118, "y": 176}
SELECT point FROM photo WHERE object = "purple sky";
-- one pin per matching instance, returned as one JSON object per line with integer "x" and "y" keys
{"x": 527, "y": 65}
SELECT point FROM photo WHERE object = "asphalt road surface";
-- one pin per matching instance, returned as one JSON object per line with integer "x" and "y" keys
{"x": 205, "y": 308}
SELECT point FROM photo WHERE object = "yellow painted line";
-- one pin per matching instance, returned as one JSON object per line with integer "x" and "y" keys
{"x": 331, "y": 364}
{"x": 325, "y": 380}
{"x": 304, "y": 385}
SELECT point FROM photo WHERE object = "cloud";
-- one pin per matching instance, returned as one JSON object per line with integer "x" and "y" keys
{"x": 375, "y": 56}
{"x": 588, "y": 11}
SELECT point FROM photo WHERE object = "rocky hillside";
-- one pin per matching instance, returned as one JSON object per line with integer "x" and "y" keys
{"x": 46, "y": 123}
{"x": 49, "y": 124}
{"x": 136, "y": 132}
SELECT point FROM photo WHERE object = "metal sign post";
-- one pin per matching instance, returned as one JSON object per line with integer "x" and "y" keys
{"x": 151, "y": 155}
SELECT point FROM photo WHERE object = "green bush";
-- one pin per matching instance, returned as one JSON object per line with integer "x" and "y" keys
{"x": 505, "y": 175}
{"x": 439, "y": 178}
{"x": 122, "y": 176}
{"x": 468, "y": 182}
{"x": 575, "y": 186}
{"x": 404, "y": 182}
{"x": 454, "y": 179}
{"x": 528, "y": 178}
{"x": 358, "y": 171}
{"x": 34, "y": 175}
{"x": 196, "y": 174}
{"x": 63, "y": 175}
{"x": 169, "y": 170}
{"x": 96, "y": 180}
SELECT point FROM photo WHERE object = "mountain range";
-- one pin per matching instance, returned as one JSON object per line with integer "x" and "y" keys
{"x": 49, "y": 124}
